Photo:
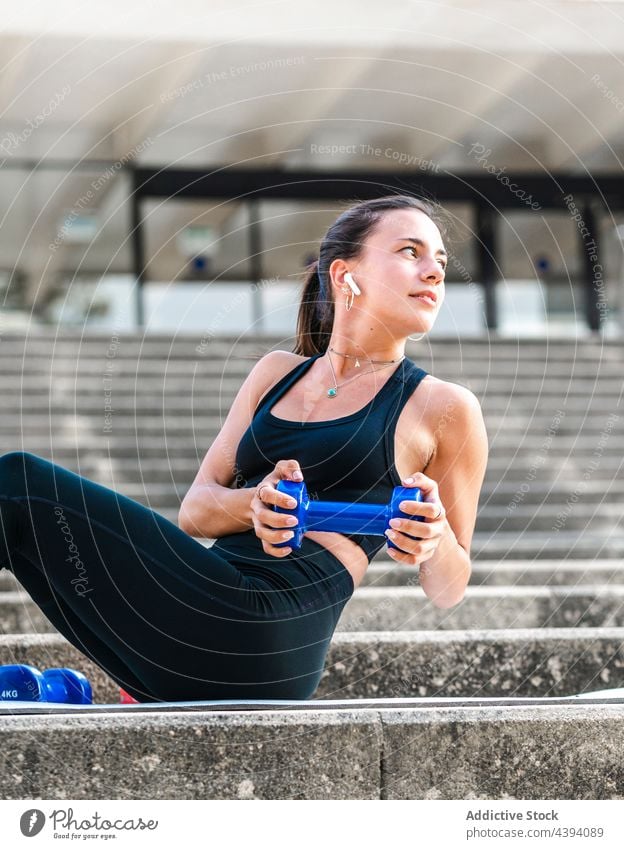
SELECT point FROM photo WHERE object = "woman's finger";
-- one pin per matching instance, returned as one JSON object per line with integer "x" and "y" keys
{"x": 268, "y": 494}
{"x": 288, "y": 469}
{"x": 421, "y": 480}
{"x": 274, "y": 551}
{"x": 429, "y": 510}
{"x": 430, "y": 506}
{"x": 273, "y": 519}
{"x": 411, "y": 546}
{"x": 278, "y": 535}
{"x": 415, "y": 527}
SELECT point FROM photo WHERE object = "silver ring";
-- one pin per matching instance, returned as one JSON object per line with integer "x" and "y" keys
{"x": 259, "y": 492}
{"x": 440, "y": 513}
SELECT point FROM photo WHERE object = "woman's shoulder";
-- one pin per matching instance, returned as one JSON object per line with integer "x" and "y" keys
{"x": 285, "y": 356}
{"x": 445, "y": 413}
{"x": 445, "y": 396}
{"x": 272, "y": 367}
{"x": 279, "y": 363}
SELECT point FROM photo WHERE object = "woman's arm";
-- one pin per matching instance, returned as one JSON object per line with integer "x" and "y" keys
{"x": 458, "y": 465}
{"x": 453, "y": 477}
{"x": 212, "y": 508}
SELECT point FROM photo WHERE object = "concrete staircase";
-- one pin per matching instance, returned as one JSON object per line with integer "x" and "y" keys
{"x": 415, "y": 702}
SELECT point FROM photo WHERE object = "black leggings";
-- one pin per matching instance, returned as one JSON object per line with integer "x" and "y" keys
{"x": 165, "y": 617}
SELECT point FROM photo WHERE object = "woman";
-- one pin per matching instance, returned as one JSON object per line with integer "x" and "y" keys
{"x": 346, "y": 412}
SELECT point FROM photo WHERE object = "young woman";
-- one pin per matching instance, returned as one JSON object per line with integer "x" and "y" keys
{"x": 348, "y": 413}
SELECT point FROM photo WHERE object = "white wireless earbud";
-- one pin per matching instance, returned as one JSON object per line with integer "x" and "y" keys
{"x": 354, "y": 286}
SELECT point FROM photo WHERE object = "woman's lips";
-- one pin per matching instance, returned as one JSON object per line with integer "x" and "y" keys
{"x": 425, "y": 299}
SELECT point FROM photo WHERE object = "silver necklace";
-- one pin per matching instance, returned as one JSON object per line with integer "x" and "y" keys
{"x": 333, "y": 391}
{"x": 357, "y": 361}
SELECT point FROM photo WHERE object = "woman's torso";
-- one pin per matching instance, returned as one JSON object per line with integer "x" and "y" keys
{"x": 356, "y": 446}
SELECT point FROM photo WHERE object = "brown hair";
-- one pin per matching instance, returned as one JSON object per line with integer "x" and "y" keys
{"x": 344, "y": 240}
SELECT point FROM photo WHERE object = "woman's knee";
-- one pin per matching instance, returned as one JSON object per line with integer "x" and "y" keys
{"x": 18, "y": 459}
{"x": 16, "y": 468}
{"x": 14, "y": 461}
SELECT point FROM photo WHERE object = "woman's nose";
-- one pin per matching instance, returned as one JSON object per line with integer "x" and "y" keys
{"x": 434, "y": 272}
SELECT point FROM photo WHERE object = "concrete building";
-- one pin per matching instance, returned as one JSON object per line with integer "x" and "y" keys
{"x": 155, "y": 165}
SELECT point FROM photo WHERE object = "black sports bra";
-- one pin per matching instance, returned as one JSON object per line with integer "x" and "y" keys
{"x": 346, "y": 459}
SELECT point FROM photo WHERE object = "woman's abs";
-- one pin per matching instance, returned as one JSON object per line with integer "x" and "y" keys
{"x": 350, "y": 554}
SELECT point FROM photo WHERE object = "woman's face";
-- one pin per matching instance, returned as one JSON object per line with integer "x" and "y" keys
{"x": 402, "y": 257}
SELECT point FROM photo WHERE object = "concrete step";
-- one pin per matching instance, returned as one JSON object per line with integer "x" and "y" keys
{"x": 560, "y": 471}
{"x": 577, "y": 540}
{"x": 516, "y": 662}
{"x": 378, "y": 664}
{"x": 159, "y": 423}
{"x": 456, "y": 359}
{"x": 151, "y": 422}
{"x": 514, "y": 423}
{"x": 346, "y": 751}
{"x": 203, "y": 422}
{"x": 491, "y": 340}
{"x": 502, "y": 413}
{"x": 383, "y": 572}
{"x": 506, "y": 573}
{"x": 525, "y": 518}
{"x": 462, "y": 358}
{"x": 569, "y": 544}
{"x": 163, "y": 360}
{"x": 20, "y": 615}
{"x": 94, "y": 362}
{"x": 167, "y": 484}
{"x": 576, "y": 515}
{"x": 556, "y": 375}
{"x": 407, "y": 609}
{"x": 150, "y": 456}
{"x": 227, "y": 374}
{"x": 216, "y": 395}
{"x": 63, "y": 446}
{"x": 502, "y": 486}
{"x": 504, "y": 545}
{"x": 535, "y": 492}
{"x": 50, "y": 650}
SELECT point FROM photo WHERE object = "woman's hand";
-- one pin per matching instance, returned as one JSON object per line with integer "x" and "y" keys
{"x": 264, "y": 518}
{"x": 415, "y": 551}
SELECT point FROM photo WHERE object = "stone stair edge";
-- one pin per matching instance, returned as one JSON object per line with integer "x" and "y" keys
{"x": 475, "y": 591}
{"x": 314, "y": 713}
{"x": 488, "y": 635}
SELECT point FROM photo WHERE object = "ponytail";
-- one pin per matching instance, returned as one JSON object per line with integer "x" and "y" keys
{"x": 316, "y": 315}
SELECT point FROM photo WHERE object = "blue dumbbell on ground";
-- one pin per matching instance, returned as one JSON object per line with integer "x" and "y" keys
{"x": 22, "y": 683}
{"x": 341, "y": 516}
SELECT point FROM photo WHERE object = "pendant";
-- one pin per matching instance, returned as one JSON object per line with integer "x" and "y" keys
{"x": 357, "y": 363}
{"x": 332, "y": 392}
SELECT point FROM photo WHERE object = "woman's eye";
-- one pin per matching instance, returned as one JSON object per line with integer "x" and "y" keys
{"x": 415, "y": 252}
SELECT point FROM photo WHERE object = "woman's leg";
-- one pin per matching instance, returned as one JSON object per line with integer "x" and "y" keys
{"x": 166, "y": 617}
{"x": 73, "y": 629}
{"x": 117, "y": 579}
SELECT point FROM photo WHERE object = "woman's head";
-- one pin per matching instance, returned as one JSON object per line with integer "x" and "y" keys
{"x": 371, "y": 241}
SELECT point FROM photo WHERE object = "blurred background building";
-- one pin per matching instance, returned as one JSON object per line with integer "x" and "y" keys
{"x": 155, "y": 166}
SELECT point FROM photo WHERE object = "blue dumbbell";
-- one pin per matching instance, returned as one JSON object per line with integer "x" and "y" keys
{"x": 341, "y": 516}
{"x": 22, "y": 683}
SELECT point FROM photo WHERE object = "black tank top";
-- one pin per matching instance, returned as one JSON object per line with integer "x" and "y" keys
{"x": 346, "y": 459}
